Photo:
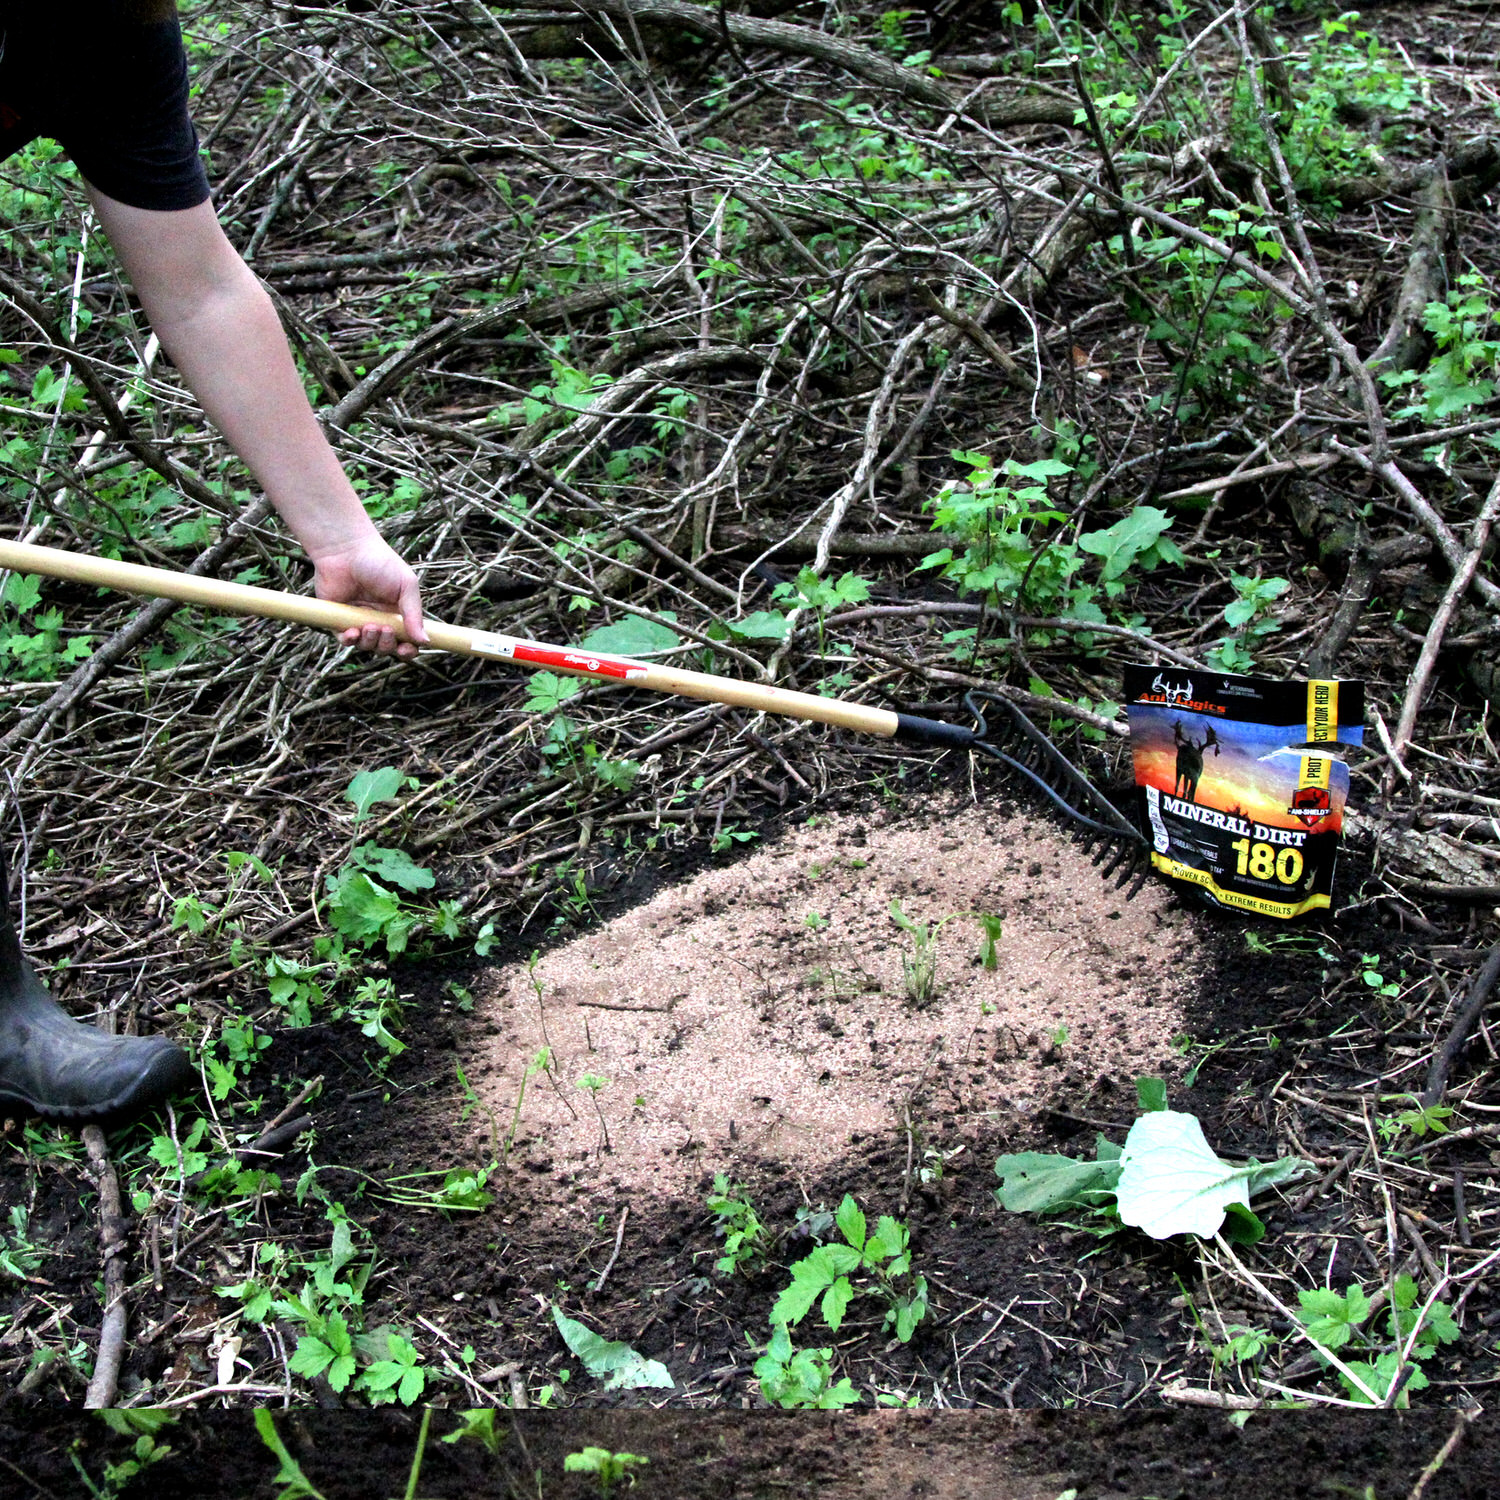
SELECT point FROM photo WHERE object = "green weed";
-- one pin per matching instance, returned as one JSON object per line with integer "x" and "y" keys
{"x": 801, "y": 1379}
{"x": 1249, "y": 617}
{"x": 609, "y": 1469}
{"x": 881, "y": 1262}
{"x": 144, "y": 1428}
{"x": 19, "y": 1257}
{"x": 745, "y": 1237}
{"x": 1459, "y": 376}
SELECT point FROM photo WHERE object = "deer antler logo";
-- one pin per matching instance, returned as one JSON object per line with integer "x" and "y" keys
{"x": 1174, "y": 692}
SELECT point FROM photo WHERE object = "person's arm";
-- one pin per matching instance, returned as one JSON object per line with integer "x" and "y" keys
{"x": 221, "y": 331}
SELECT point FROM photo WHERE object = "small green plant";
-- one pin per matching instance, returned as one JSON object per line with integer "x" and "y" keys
{"x": 1248, "y": 617}
{"x": 1460, "y": 374}
{"x": 1338, "y": 1322}
{"x": 745, "y": 1238}
{"x": 726, "y": 838}
{"x": 35, "y": 645}
{"x": 609, "y": 1469}
{"x": 478, "y": 1425}
{"x": 19, "y": 1258}
{"x": 919, "y": 963}
{"x": 881, "y": 1260}
{"x": 992, "y": 928}
{"x": 541, "y": 1063}
{"x": 811, "y": 591}
{"x": 797, "y": 1379}
{"x": 1421, "y": 1120}
{"x": 594, "y": 1082}
{"x": 291, "y": 1482}
{"x": 1375, "y": 980}
{"x": 144, "y": 1427}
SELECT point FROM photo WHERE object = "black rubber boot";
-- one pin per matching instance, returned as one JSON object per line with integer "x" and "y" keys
{"x": 61, "y": 1069}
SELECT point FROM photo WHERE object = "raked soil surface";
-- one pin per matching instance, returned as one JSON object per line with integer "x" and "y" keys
{"x": 760, "y": 1012}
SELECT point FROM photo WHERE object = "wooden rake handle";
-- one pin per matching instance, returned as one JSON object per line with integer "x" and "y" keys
{"x": 460, "y": 640}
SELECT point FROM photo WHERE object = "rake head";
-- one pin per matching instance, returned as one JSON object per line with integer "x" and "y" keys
{"x": 1111, "y": 839}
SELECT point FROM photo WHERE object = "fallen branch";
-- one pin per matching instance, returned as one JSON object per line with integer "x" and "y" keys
{"x": 106, "y": 1378}
{"x": 712, "y": 23}
{"x": 1463, "y": 1023}
{"x": 1463, "y": 575}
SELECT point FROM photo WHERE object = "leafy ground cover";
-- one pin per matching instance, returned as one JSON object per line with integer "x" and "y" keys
{"x": 783, "y": 367}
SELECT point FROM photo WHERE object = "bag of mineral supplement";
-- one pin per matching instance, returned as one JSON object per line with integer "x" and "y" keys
{"x": 1241, "y": 791}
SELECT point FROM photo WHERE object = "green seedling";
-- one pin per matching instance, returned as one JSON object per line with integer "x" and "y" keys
{"x": 745, "y": 1238}
{"x": 1460, "y": 374}
{"x": 881, "y": 1260}
{"x": 919, "y": 965}
{"x": 593, "y": 1082}
{"x": 1414, "y": 1331}
{"x": 143, "y": 1428}
{"x": 538, "y": 1064}
{"x": 19, "y": 1258}
{"x": 291, "y": 1483}
{"x": 801, "y": 1379}
{"x": 726, "y": 838}
{"x": 1375, "y": 980}
{"x": 478, "y": 1424}
{"x": 1248, "y": 617}
{"x": 991, "y": 927}
{"x": 609, "y": 1469}
{"x": 1421, "y": 1120}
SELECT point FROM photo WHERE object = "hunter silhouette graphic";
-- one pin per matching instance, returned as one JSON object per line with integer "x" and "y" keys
{"x": 1190, "y": 760}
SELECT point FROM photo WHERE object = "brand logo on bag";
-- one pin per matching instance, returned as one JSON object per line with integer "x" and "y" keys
{"x": 1177, "y": 692}
{"x": 1311, "y": 804}
{"x": 1173, "y": 692}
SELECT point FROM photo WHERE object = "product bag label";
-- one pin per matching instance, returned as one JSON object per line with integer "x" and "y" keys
{"x": 1242, "y": 792}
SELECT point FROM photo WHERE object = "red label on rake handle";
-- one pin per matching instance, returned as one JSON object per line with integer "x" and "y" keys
{"x": 577, "y": 661}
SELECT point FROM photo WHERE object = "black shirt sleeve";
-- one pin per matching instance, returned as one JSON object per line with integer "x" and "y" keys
{"x": 113, "y": 91}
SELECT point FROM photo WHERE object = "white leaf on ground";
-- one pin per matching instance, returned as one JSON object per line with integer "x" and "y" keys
{"x": 1172, "y": 1181}
{"x": 618, "y": 1365}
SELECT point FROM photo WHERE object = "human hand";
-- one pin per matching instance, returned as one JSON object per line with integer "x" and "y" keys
{"x": 368, "y": 573}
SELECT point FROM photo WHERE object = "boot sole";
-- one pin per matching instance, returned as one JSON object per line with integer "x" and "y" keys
{"x": 168, "y": 1073}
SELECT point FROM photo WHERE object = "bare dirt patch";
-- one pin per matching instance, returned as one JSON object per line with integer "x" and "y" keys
{"x": 760, "y": 1011}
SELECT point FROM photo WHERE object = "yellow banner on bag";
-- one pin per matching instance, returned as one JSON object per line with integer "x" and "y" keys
{"x": 1322, "y": 713}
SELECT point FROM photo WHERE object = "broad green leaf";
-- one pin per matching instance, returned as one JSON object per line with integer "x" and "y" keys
{"x": 761, "y": 625}
{"x": 1172, "y": 1182}
{"x": 1119, "y": 545}
{"x": 370, "y": 787}
{"x": 890, "y": 1239}
{"x": 810, "y": 1277}
{"x": 1242, "y": 1226}
{"x": 360, "y": 908}
{"x": 836, "y": 1302}
{"x": 1330, "y": 1318}
{"x": 618, "y": 1365}
{"x": 395, "y": 866}
{"x": 22, "y": 592}
{"x": 631, "y": 636}
{"x": 851, "y": 1222}
{"x": 1151, "y": 1094}
{"x": 546, "y": 692}
{"x": 1036, "y": 1182}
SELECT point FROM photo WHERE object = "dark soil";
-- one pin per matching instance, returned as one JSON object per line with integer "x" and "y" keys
{"x": 758, "y": 1456}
